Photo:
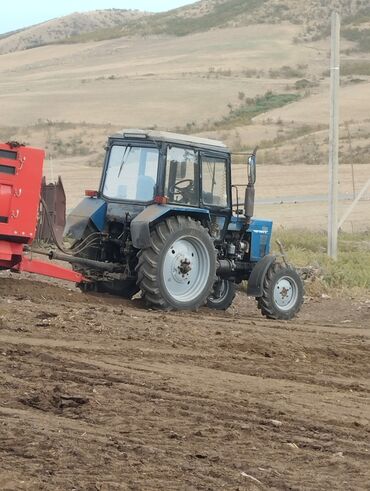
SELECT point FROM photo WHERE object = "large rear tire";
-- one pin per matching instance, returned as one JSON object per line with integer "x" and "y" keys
{"x": 283, "y": 293}
{"x": 178, "y": 270}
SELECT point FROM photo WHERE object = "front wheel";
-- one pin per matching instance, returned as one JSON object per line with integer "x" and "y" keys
{"x": 222, "y": 296}
{"x": 178, "y": 270}
{"x": 283, "y": 292}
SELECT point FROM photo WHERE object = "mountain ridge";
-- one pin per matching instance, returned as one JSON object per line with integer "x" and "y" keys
{"x": 61, "y": 28}
{"x": 312, "y": 15}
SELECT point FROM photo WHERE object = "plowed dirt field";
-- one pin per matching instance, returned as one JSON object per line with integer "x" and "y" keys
{"x": 101, "y": 394}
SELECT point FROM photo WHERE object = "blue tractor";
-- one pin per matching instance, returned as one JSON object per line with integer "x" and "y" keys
{"x": 162, "y": 222}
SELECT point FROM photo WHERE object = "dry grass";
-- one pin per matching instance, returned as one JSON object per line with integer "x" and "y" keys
{"x": 145, "y": 82}
{"x": 351, "y": 270}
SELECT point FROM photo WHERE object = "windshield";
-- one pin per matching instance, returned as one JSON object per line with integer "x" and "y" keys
{"x": 131, "y": 173}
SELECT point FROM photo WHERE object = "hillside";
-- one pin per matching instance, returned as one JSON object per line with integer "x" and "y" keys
{"x": 312, "y": 17}
{"x": 57, "y": 30}
{"x": 246, "y": 85}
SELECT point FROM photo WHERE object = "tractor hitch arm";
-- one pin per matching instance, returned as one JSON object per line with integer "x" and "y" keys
{"x": 102, "y": 266}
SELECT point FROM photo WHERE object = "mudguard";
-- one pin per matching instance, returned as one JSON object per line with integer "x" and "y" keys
{"x": 140, "y": 225}
{"x": 257, "y": 277}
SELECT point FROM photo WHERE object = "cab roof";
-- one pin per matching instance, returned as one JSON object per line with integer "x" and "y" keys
{"x": 169, "y": 137}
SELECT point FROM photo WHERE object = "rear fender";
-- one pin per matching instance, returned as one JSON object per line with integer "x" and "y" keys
{"x": 153, "y": 214}
{"x": 257, "y": 277}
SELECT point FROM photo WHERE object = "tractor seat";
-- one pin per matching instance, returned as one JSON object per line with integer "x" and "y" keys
{"x": 210, "y": 199}
{"x": 145, "y": 188}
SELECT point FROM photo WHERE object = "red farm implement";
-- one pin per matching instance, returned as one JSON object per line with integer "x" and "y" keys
{"x": 20, "y": 183}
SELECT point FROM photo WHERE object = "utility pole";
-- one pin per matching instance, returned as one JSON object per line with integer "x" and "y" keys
{"x": 334, "y": 137}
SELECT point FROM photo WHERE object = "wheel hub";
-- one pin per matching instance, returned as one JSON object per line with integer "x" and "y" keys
{"x": 180, "y": 267}
{"x": 185, "y": 268}
{"x": 285, "y": 293}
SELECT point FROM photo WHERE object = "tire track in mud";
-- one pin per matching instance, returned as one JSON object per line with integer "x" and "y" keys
{"x": 251, "y": 351}
{"x": 81, "y": 365}
{"x": 217, "y": 409}
{"x": 178, "y": 401}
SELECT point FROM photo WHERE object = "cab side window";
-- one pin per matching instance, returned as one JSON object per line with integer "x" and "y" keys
{"x": 214, "y": 181}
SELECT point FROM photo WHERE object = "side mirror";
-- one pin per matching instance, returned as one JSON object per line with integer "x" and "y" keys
{"x": 252, "y": 171}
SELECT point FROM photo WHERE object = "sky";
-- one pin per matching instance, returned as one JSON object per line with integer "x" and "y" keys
{"x": 23, "y": 13}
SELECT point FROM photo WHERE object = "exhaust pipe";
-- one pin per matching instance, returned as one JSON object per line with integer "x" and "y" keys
{"x": 250, "y": 190}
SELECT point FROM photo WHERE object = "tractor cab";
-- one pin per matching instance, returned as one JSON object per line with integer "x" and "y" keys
{"x": 144, "y": 167}
{"x": 183, "y": 174}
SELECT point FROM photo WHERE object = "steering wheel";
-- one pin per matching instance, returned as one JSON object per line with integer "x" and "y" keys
{"x": 180, "y": 189}
{"x": 184, "y": 191}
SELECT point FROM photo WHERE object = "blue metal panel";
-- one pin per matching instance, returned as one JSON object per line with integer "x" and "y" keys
{"x": 98, "y": 217}
{"x": 261, "y": 231}
{"x": 140, "y": 225}
{"x": 187, "y": 209}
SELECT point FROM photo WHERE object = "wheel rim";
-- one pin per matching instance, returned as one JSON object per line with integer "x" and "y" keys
{"x": 186, "y": 269}
{"x": 223, "y": 290}
{"x": 285, "y": 293}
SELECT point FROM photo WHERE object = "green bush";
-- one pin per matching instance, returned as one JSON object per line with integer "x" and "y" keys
{"x": 362, "y": 16}
{"x": 304, "y": 84}
{"x": 286, "y": 72}
{"x": 360, "y": 36}
{"x": 252, "y": 107}
{"x": 355, "y": 68}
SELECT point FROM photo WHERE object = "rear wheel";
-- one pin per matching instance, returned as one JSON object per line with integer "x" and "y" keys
{"x": 222, "y": 295}
{"x": 178, "y": 270}
{"x": 283, "y": 292}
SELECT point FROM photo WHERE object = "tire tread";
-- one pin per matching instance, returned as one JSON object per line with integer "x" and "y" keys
{"x": 265, "y": 302}
{"x": 148, "y": 261}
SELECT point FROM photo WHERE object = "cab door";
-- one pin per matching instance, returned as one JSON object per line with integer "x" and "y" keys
{"x": 182, "y": 176}
{"x": 215, "y": 191}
